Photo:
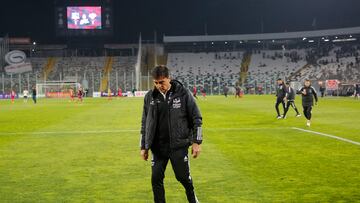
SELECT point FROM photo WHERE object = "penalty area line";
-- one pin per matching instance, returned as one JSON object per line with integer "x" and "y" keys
{"x": 328, "y": 135}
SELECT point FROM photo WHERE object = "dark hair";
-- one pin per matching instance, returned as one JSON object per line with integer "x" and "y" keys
{"x": 160, "y": 71}
{"x": 278, "y": 79}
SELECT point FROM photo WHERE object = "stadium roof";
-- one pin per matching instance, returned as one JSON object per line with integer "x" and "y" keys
{"x": 263, "y": 36}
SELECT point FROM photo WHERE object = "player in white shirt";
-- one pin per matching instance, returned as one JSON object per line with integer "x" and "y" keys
{"x": 25, "y": 95}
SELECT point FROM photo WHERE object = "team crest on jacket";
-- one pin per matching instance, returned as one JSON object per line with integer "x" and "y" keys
{"x": 176, "y": 103}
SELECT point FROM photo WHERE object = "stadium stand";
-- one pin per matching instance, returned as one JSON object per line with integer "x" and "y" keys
{"x": 93, "y": 70}
{"x": 340, "y": 62}
{"x": 206, "y": 69}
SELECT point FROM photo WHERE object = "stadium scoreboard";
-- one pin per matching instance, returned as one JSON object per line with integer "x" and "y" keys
{"x": 84, "y": 18}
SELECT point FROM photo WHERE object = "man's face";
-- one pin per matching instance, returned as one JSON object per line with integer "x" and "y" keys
{"x": 307, "y": 83}
{"x": 279, "y": 82}
{"x": 162, "y": 84}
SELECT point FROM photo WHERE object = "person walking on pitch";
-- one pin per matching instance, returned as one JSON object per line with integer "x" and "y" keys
{"x": 290, "y": 100}
{"x": 171, "y": 122}
{"x": 308, "y": 95}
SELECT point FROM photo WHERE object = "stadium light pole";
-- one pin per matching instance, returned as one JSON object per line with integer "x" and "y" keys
{"x": 140, "y": 82}
{"x": 132, "y": 80}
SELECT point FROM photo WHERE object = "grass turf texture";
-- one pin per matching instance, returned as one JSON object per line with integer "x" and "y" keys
{"x": 57, "y": 151}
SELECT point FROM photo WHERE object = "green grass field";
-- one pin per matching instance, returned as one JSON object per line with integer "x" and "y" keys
{"x": 57, "y": 151}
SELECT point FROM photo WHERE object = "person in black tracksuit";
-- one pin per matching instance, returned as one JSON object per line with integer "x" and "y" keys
{"x": 171, "y": 122}
{"x": 290, "y": 98}
{"x": 357, "y": 91}
{"x": 34, "y": 94}
{"x": 322, "y": 90}
{"x": 308, "y": 94}
{"x": 280, "y": 97}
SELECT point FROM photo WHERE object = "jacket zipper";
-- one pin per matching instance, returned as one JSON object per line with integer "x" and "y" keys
{"x": 169, "y": 120}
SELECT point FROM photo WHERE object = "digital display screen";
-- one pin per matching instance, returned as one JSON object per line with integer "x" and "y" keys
{"x": 84, "y": 17}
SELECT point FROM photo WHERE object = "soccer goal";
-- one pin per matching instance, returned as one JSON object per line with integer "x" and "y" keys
{"x": 56, "y": 89}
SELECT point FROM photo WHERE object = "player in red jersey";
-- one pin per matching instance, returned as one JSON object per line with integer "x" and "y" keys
{"x": 71, "y": 91}
{"x": 203, "y": 92}
{"x": 119, "y": 93}
{"x": 12, "y": 96}
{"x": 80, "y": 94}
{"x": 194, "y": 91}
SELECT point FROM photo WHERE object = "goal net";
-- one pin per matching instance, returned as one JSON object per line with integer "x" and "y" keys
{"x": 56, "y": 89}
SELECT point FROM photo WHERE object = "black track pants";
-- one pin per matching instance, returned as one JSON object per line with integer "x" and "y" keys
{"x": 278, "y": 102}
{"x": 180, "y": 163}
{"x": 307, "y": 112}
{"x": 292, "y": 104}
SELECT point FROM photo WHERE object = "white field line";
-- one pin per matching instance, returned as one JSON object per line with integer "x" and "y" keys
{"x": 327, "y": 135}
{"x": 138, "y": 130}
{"x": 69, "y": 132}
{"x": 117, "y": 131}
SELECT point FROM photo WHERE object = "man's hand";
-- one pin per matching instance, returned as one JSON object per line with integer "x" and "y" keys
{"x": 195, "y": 150}
{"x": 144, "y": 154}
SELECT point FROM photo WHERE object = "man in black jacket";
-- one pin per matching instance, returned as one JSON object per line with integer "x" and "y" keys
{"x": 308, "y": 94}
{"x": 280, "y": 97}
{"x": 171, "y": 122}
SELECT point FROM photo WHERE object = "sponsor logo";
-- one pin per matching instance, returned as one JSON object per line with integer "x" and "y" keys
{"x": 186, "y": 159}
{"x": 15, "y": 57}
{"x": 18, "y": 68}
{"x": 176, "y": 103}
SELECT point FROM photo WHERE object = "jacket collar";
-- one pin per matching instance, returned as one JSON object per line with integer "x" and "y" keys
{"x": 177, "y": 89}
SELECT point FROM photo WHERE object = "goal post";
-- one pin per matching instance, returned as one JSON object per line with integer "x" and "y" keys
{"x": 56, "y": 89}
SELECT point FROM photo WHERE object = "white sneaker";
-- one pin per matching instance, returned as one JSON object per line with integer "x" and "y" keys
{"x": 308, "y": 123}
{"x": 298, "y": 115}
{"x": 279, "y": 117}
